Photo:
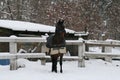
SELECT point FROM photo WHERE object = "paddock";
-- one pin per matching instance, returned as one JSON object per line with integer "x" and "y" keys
{"x": 13, "y": 55}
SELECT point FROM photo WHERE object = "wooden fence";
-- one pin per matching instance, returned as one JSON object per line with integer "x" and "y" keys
{"x": 13, "y": 56}
{"x": 106, "y": 51}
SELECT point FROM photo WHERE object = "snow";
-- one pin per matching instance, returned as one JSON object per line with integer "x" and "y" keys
{"x": 95, "y": 69}
{"x": 28, "y": 26}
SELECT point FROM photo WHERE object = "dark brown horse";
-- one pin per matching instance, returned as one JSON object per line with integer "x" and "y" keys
{"x": 58, "y": 45}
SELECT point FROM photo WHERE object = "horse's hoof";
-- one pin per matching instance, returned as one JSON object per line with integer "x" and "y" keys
{"x": 61, "y": 71}
{"x": 55, "y": 71}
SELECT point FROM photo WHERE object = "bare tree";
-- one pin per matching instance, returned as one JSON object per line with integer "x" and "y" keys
{"x": 96, "y": 16}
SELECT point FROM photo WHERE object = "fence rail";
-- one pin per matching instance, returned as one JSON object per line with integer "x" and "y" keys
{"x": 103, "y": 43}
{"x": 18, "y": 55}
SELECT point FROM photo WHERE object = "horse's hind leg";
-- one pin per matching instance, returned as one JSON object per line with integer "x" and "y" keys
{"x": 61, "y": 57}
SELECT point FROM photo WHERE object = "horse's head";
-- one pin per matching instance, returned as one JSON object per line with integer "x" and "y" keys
{"x": 60, "y": 28}
{"x": 60, "y": 25}
{"x": 60, "y": 32}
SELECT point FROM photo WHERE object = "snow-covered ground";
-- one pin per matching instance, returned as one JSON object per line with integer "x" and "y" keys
{"x": 95, "y": 69}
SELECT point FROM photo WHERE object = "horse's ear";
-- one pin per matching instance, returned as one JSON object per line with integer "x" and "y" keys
{"x": 61, "y": 21}
{"x": 60, "y": 25}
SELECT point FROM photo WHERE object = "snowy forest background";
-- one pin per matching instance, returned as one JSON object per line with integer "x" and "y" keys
{"x": 98, "y": 17}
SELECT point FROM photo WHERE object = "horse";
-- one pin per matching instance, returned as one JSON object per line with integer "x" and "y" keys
{"x": 58, "y": 44}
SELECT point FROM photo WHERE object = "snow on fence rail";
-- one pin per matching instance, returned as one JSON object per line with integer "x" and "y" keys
{"x": 13, "y": 56}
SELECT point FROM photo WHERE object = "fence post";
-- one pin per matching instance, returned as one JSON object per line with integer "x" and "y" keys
{"x": 13, "y": 50}
{"x": 43, "y": 50}
{"x": 81, "y": 51}
{"x": 108, "y": 50}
